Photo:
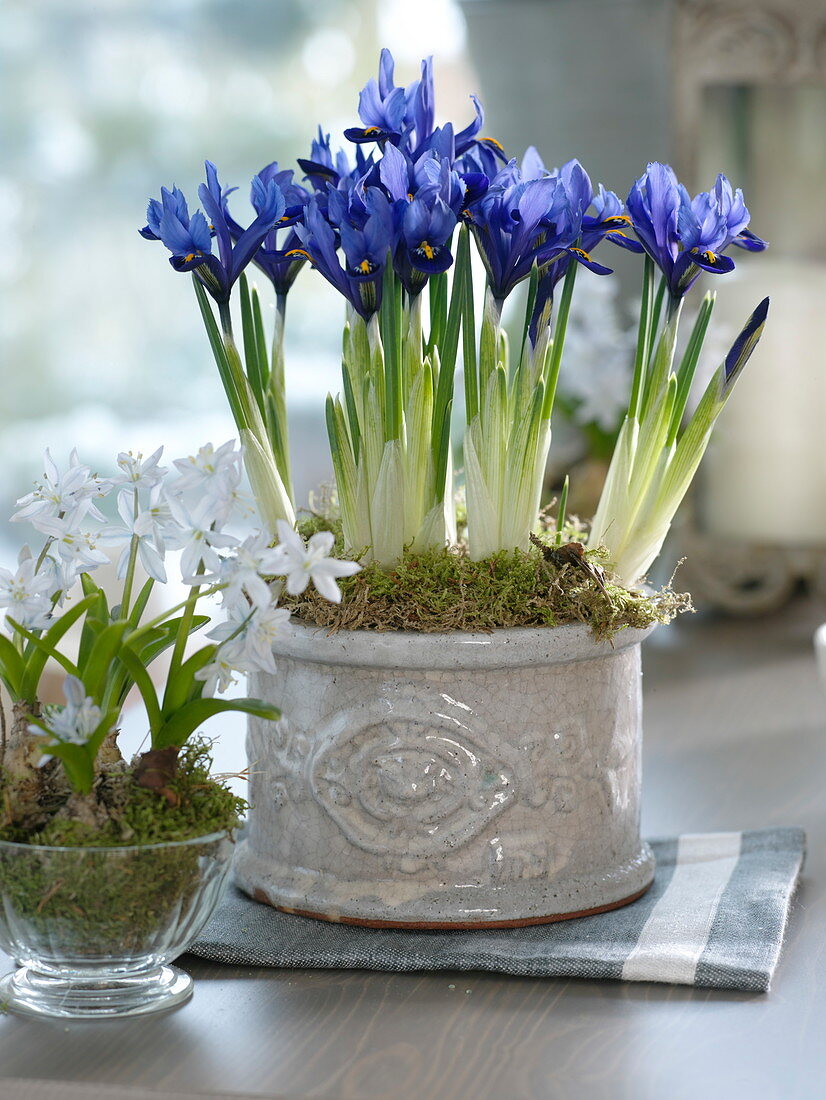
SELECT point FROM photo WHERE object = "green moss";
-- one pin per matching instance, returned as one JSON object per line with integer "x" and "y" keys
{"x": 136, "y": 815}
{"x": 442, "y": 590}
{"x": 99, "y": 902}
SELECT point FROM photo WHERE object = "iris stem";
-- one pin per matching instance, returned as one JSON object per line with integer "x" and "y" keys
{"x": 643, "y": 338}
{"x": 560, "y": 329}
{"x": 655, "y": 319}
{"x": 469, "y": 333}
{"x": 278, "y": 391}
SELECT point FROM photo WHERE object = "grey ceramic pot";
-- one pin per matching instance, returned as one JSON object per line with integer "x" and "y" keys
{"x": 455, "y": 780}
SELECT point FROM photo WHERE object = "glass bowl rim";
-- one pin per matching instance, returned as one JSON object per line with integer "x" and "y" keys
{"x": 203, "y": 839}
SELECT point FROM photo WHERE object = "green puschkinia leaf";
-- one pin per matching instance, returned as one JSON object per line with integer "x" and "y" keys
{"x": 44, "y": 650}
{"x": 184, "y": 722}
{"x": 94, "y": 671}
{"x": 183, "y": 686}
{"x": 78, "y": 763}
{"x": 45, "y": 647}
{"x": 12, "y": 668}
{"x": 136, "y": 670}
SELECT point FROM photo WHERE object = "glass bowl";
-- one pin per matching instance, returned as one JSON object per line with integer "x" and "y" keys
{"x": 93, "y": 929}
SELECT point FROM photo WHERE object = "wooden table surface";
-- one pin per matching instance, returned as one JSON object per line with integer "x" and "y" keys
{"x": 735, "y": 723}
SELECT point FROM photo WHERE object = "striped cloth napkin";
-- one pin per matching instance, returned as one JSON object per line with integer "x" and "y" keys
{"x": 715, "y": 917}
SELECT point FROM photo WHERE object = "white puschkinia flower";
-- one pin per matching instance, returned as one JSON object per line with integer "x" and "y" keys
{"x": 209, "y": 468}
{"x": 199, "y": 537}
{"x": 243, "y": 572}
{"x": 138, "y": 472}
{"x": 301, "y": 563}
{"x": 25, "y": 594}
{"x": 246, "y": 638}
{"x": 77, "y": 720}
{"x": 149, "y": 527}
{"x": 216, "y": 476}
{"x": 76, "y": 549}
{"x": 71, "y": 492}
{"x": 156, "y": 521}
{"x": 219, "y": 674}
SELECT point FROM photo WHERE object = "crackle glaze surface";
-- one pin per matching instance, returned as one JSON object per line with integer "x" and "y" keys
{"x": 447, "y": 778}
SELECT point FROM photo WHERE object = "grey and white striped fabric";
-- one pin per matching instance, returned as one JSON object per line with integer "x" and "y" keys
{"x": 715, "y": 917}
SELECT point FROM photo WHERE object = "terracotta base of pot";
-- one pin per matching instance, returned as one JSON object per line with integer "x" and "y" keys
{"x": 452, "y": 926}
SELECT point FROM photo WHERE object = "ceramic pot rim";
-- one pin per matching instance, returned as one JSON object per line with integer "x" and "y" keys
{"x": 517, "y": 647}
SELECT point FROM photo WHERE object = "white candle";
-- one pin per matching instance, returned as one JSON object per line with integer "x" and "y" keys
{"x": 764, "y": 478}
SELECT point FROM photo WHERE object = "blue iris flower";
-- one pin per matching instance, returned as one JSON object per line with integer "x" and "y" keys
{"x": 427, "y": 197}
{"x": 591, "y": 216}
{"x": 219, "y": 274}
{"x": 485, "y": 159}
{"x": 404, "y": 179}
{"x": 686, "y": 236}
{"x": 406, "y": 116}
{"x": 321, "y": 167}
{"x": 365, "y": 246}
{"x": 507, "y": 225}
{"x": 327, "y": 173}
{"x": 173, "y": 201}
{"x": 383, "y": 108}
{"x": 277, "y": 260}
{"x": 518, "y": 223}
{"x": 190, "y": 239}
{"x": 609, "y": 222}
{"x": 424, "y": 248}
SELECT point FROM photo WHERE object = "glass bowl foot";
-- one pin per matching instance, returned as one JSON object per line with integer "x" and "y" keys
{"x": 78, "y": 996}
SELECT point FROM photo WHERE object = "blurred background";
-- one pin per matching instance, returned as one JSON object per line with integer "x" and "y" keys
{"x": 101, "y": 345}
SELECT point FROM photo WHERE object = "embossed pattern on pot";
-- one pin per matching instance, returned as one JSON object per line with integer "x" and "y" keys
{"x": 454, "y": 794}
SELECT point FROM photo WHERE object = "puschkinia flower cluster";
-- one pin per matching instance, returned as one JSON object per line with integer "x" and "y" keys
{"x": 186, "y": 507}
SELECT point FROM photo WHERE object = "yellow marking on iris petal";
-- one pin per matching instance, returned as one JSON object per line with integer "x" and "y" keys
{"x": 618, "y": 218}
{"x": 616, "y": 233}
{"x": 493, "y": 141}
{"x": 188, "y": 259}
{"x": 373, "y": 130}
{"x": 365, "y": 267}
{"x": 427, "y": 249}
{"x": 709, "y": 256}
{"x": 580, "y": 252}
{"x": 300, "y": 252}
